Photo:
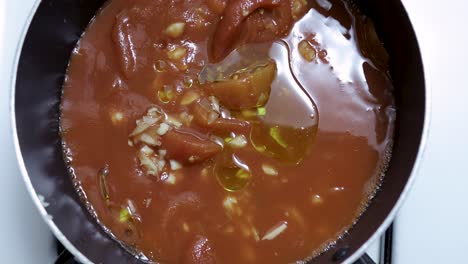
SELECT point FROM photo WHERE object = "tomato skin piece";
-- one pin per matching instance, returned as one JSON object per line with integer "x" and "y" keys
{"x": 188, "y": 148}
{"x": 236, "y": 12}
{"x": 249, "y": 90}
{"x": 220, "y": 125}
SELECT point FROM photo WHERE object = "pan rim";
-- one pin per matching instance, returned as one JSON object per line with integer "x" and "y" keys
{"x": 82, "y": 258}
{"x": 420, "y": 154}
{"x": 19, "y": 157}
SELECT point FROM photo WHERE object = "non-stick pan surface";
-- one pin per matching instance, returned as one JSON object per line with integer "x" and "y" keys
{"x": 50, "y": 39}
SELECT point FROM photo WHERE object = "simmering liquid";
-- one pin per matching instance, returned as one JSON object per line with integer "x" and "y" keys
{"x": 212, "y": 131}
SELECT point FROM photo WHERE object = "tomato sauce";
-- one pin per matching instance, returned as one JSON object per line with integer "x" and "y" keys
{"x": 213, "y": 131}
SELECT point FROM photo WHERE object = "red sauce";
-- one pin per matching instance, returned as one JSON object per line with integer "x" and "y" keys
{"x": 251, "y": 132}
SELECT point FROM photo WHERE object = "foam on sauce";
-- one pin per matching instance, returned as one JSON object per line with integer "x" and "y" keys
{"x": 279, "y": 192}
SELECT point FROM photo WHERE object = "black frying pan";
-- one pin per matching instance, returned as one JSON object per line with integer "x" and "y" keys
{"x": 52, "y": 35}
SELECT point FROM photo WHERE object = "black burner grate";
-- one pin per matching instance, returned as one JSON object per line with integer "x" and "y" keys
{"x": 65, "y": 257}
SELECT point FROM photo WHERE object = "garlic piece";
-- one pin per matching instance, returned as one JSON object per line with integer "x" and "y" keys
{"x": 316, "y": 199}
{"x": 175, "y": 165}
{"x": 176, "y": 53}
{"x": 175, "y": 30}
{"x": 117, "y": 117}
{"x": 189, "y": 97}
{"x": 275, "y": 231}
{"x": 163, "y": 128}
{"x": 306, "y": 50}
{"x": 171, "y": 179}
{"x": 238, "y": 142}
{"x": 269, "y": 170}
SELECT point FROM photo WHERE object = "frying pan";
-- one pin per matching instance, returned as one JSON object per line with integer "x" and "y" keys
{"x": 54, "y": 30}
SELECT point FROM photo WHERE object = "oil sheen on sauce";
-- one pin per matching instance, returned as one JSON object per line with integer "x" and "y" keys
{"x": 337, "y": 108}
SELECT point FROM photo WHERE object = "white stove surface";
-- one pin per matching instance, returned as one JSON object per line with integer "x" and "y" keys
{"x": 431, "y": 226}
{"x": 25, "y": 237}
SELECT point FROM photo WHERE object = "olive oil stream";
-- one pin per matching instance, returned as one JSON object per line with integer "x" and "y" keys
{"x": 284, "y": 126}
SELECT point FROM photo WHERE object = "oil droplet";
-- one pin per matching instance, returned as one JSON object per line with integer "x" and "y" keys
{"x": 160, "y": 66}
{"x": 232, "y": 174}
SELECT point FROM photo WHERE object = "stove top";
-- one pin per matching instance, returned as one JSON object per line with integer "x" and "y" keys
{"x": 379, "y": 253}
